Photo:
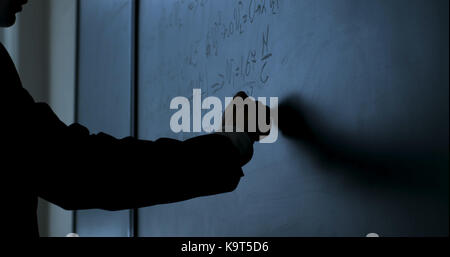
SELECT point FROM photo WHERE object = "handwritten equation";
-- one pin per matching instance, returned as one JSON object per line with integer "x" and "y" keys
{"x": 210, "y": 64}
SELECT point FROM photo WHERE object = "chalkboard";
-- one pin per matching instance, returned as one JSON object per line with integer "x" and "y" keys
{"x": 104, "y": 92}
{"x": 372, "y": 77}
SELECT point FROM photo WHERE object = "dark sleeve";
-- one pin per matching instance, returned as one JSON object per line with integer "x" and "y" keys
{"x": 79, "y": 170}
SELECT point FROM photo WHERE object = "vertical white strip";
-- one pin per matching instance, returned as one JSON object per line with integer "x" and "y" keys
{"x": 197, "y": 110}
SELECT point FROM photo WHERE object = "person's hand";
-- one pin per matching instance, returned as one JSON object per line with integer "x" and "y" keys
{"x": 242, "y": 115}
{"x": 240, "y": 124}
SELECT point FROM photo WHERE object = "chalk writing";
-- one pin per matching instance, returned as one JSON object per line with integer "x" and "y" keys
{"x": 246, "y": 71}
{"x": 249, "y": 67}
{"x": 243, "y": 16}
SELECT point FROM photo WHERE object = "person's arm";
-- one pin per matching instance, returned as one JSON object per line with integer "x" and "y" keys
{"x": 77, "y": 170}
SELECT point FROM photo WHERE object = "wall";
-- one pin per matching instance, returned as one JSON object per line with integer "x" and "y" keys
{"x": 364, "y": 87}
{"x": 42, "y": 45}
{"x": 104, "y": 92}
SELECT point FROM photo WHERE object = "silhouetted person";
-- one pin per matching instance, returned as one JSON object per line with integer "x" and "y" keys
{"x": 68, "y": 166}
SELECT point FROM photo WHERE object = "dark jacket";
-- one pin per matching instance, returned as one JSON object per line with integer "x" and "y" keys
{"x": 68, "y": 166}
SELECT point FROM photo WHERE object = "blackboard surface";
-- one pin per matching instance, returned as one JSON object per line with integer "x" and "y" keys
{"x": 373, "y": 79}
{"x": 104, "y": 101}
